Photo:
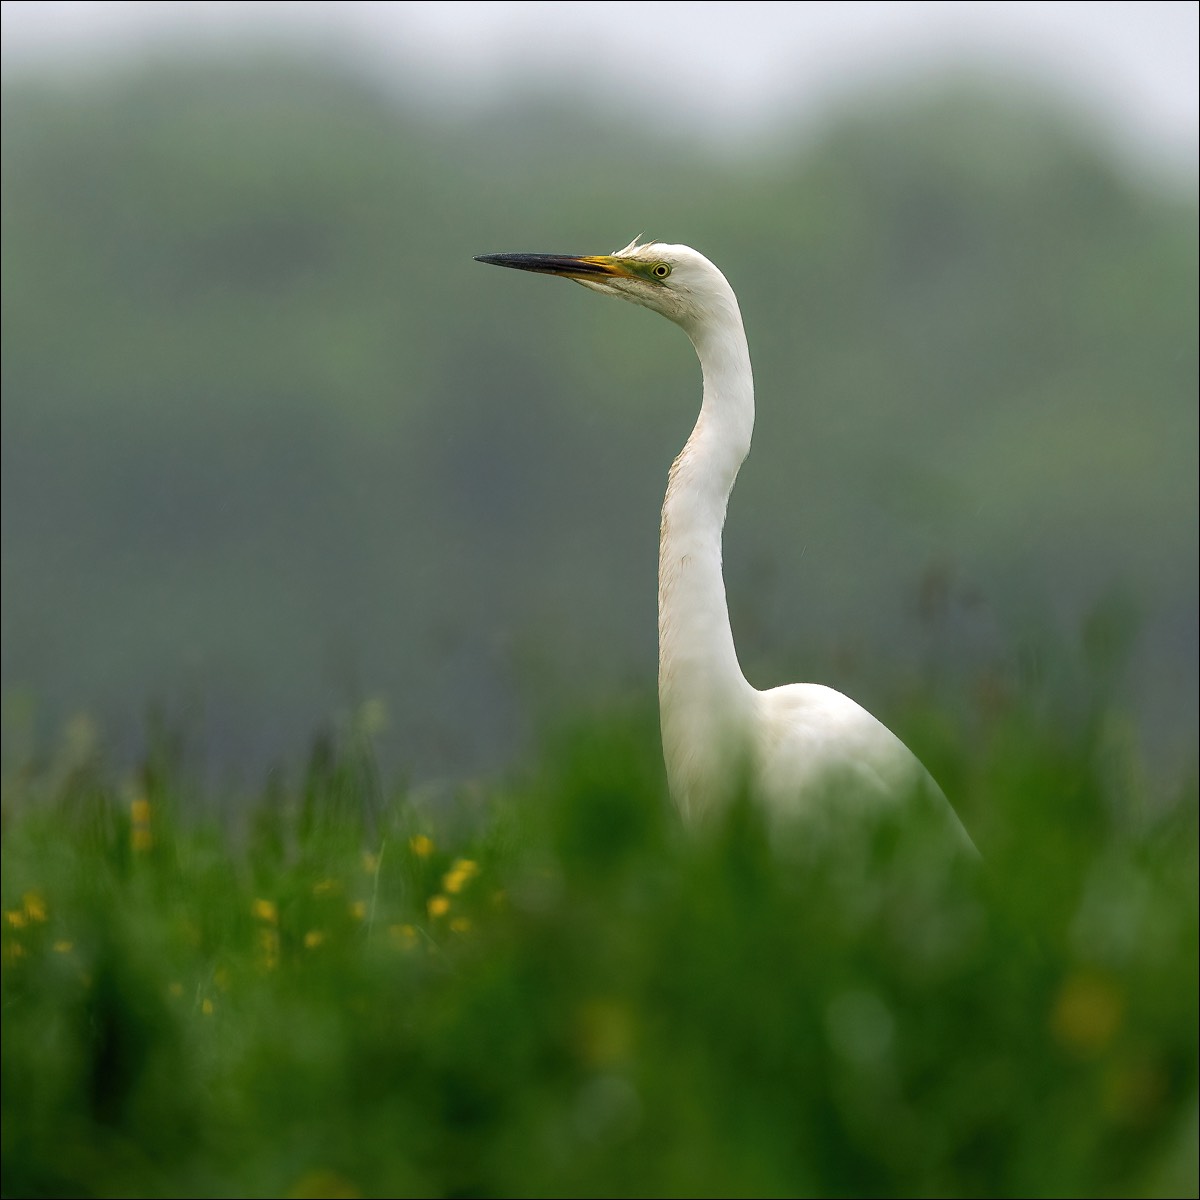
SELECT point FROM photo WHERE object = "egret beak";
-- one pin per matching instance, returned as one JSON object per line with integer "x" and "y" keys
{"x": 570, "y": 266}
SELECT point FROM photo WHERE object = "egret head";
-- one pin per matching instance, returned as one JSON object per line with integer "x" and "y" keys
{"x": 677, "y": 281}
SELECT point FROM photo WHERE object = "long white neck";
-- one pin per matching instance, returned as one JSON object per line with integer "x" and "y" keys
{"x": 704, "y": 699}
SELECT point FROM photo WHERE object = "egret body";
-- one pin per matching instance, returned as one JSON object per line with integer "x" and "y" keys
{"x": 793, "y": 745}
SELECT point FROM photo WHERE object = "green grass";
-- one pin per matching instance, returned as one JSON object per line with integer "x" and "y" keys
{"x": 547, "y": 988}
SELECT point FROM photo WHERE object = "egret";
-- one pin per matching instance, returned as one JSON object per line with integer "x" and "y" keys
{"x": 793, "y": 745}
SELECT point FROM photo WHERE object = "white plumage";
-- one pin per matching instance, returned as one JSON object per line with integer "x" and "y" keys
{"x": 794, "y": 745}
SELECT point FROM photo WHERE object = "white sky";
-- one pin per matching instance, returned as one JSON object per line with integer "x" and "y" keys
{"x": 719, "y": 70}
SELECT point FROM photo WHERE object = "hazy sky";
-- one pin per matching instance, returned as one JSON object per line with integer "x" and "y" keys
{"x": 719, "y": 70}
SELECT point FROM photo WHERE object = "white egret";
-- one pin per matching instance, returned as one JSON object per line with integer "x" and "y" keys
{"x": 793, "y": 745}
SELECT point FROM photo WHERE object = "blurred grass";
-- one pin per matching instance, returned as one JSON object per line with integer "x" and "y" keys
{"x": 544, "y": 987}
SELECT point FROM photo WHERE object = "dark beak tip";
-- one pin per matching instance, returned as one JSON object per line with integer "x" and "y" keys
{"x": 568, "y": 265}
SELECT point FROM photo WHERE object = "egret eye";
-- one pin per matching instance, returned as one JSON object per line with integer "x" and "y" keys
{"x": 661, "y": 270}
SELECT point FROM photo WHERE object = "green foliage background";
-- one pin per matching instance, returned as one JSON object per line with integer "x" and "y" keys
{"x": 546, "y": 989}
{"x": 273, "y": 443}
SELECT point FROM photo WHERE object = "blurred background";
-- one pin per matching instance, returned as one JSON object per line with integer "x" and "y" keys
{"x": 276, "y": 450}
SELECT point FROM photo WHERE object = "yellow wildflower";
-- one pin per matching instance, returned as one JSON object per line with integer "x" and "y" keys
{"x": 461, "y": 872}
{"x": 421, "y": 845}
{"x": 358, "y": 910}
{"x": 63, "y": 946}
{"x": 206, "y": 1007}
{"x": 326, "y": 887}
{"x": 140, "y": 836}
{"x": 268, "y": 944}
{"x": 16, "y": 918}
{"x": 266, "y": 911}
{"x": 1133, "y": 1091}
{"x": 438, "y": 905}
{"x": 323, "y": 1182}
{"x": 313, "y": 938}
{"x": 405, "y": 936}
{"x": 34, "y": 906}
{"x": 1087, "y": 1013}
{"x": 604, "y": 1031}
{"x": 460, "y": 924}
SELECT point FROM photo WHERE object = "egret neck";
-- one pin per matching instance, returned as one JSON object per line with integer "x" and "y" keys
{"x": 705, "y": 703}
